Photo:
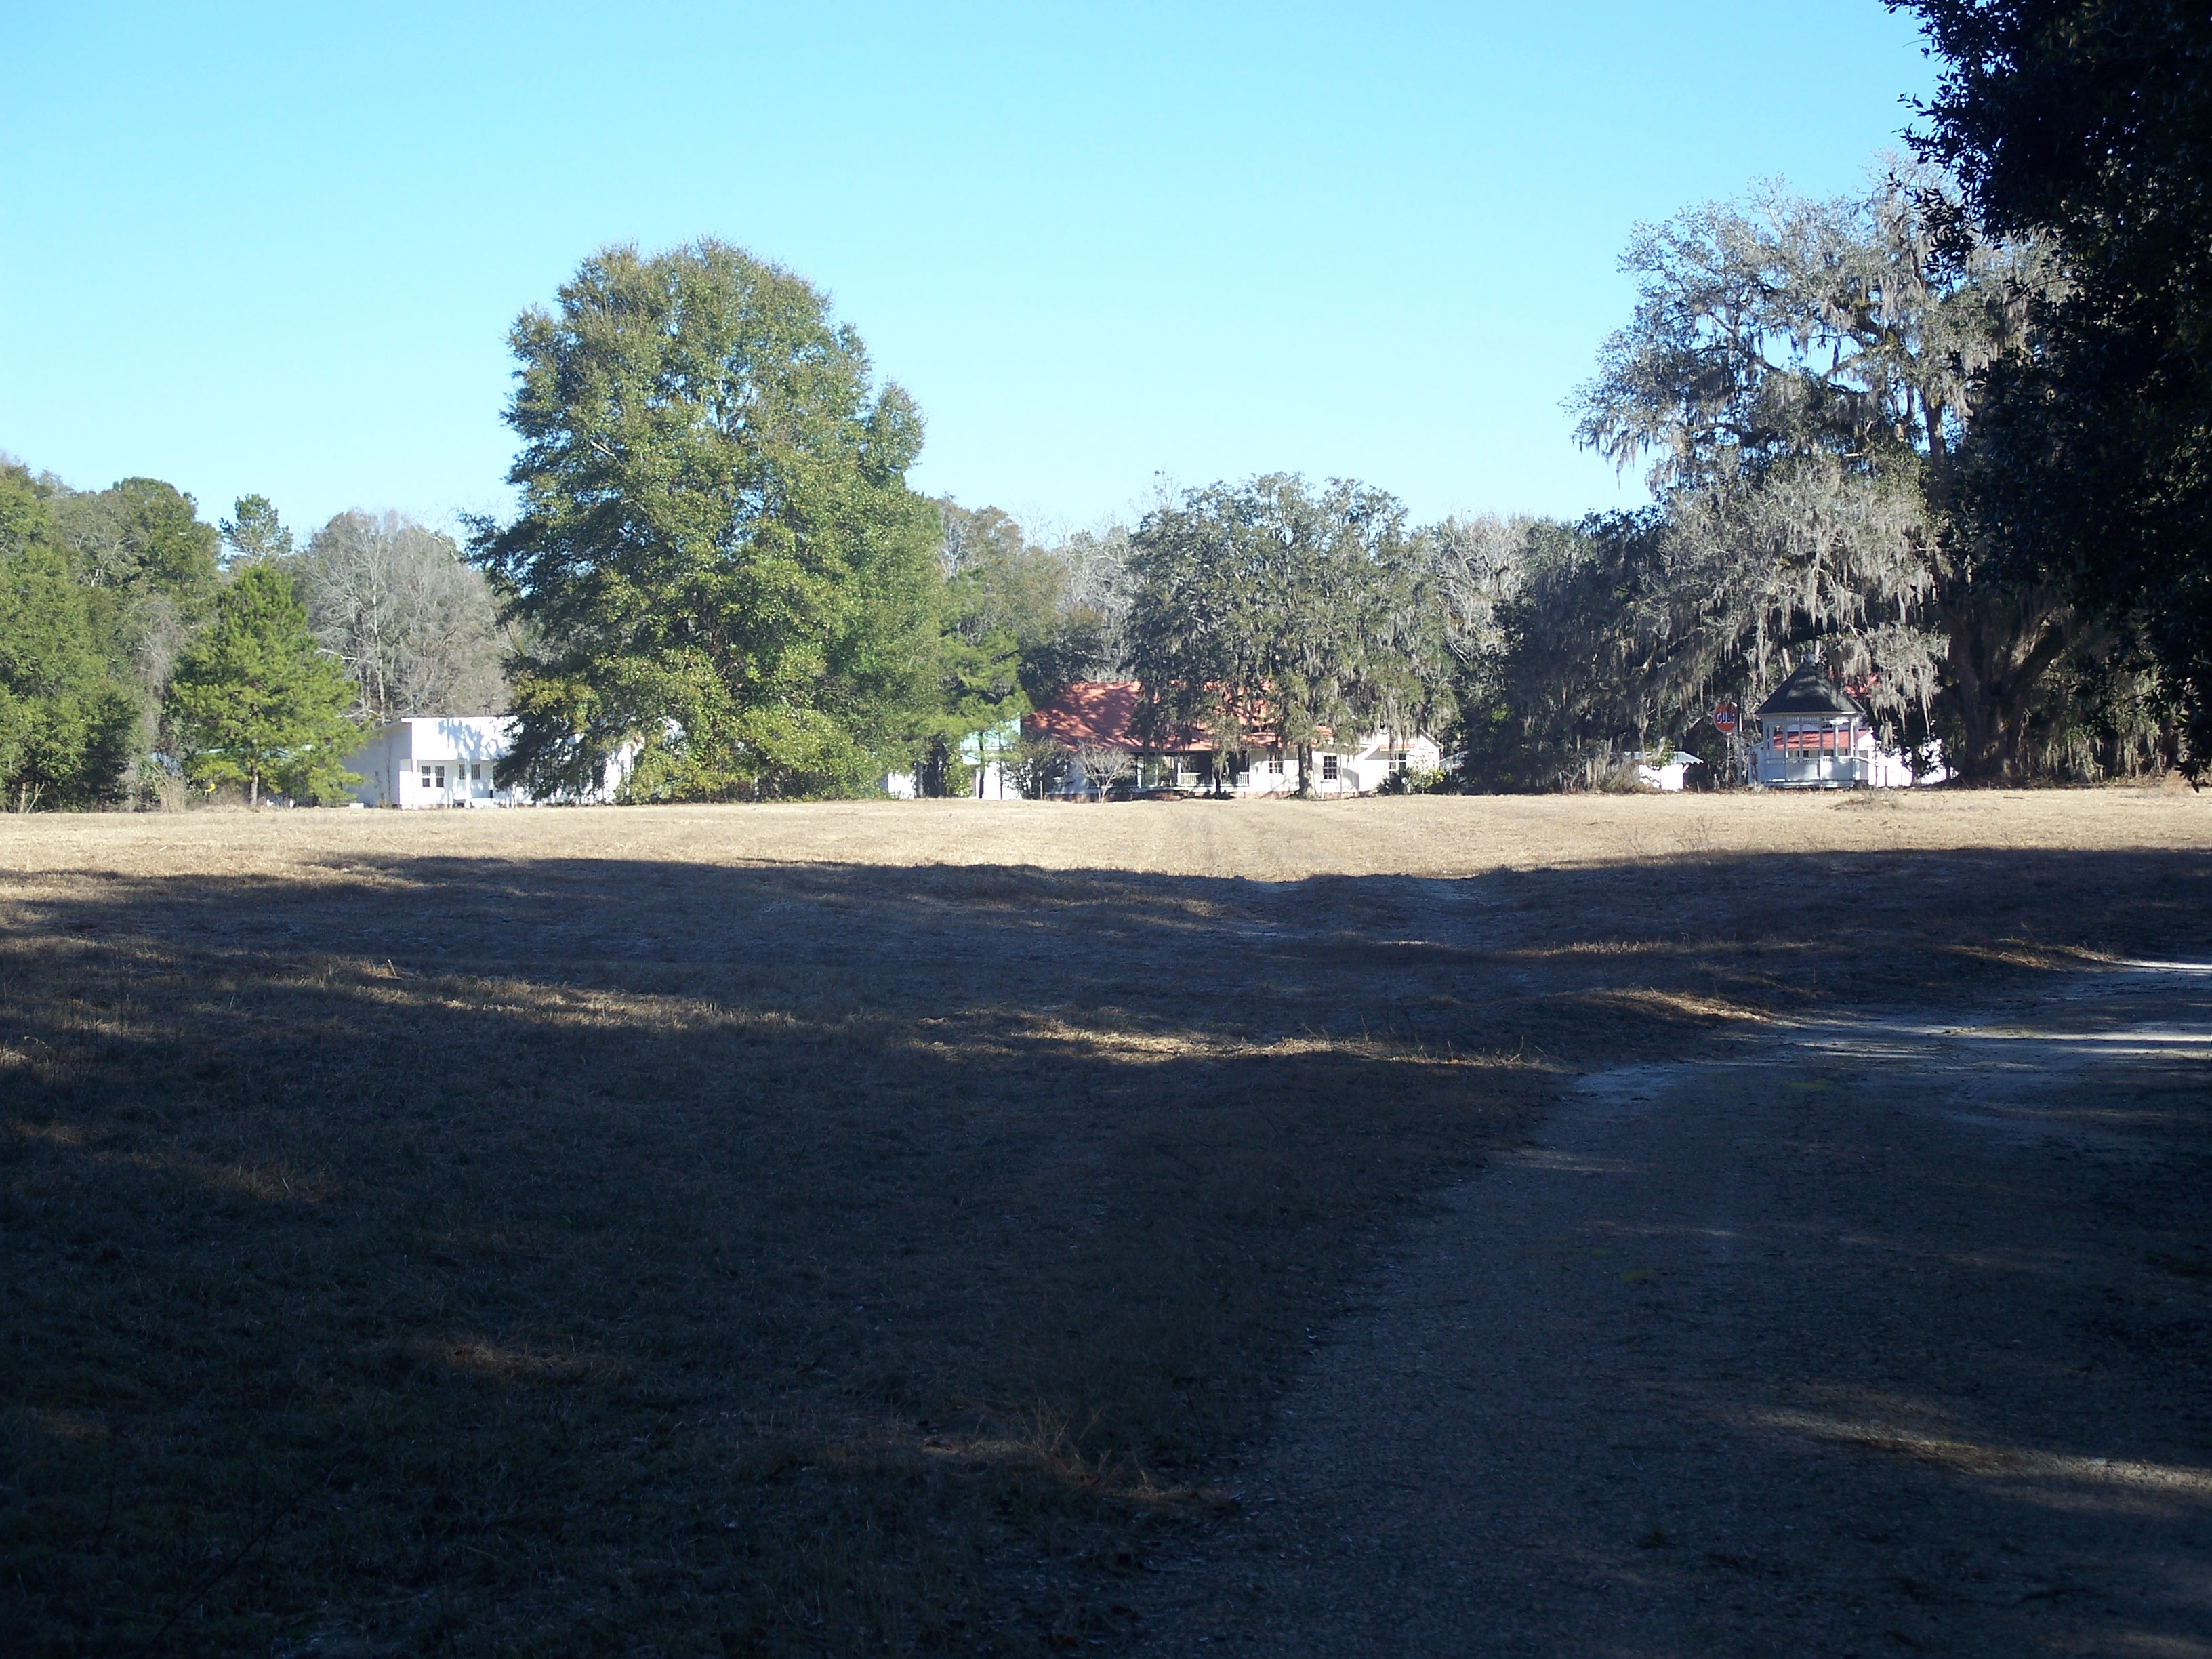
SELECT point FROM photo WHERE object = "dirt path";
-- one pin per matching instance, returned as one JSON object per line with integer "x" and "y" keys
{"x": 1876, "y": 1338}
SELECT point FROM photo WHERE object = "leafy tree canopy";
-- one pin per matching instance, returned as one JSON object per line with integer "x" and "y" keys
{"x": 2090, "y": 122}
{"x": 1046, "y": 602}
{"x": 1021, "y": 623}
{"x": 1562, "y": 671}
{"x": 1803, "y": 375}
{"x": 142, "y": 537}
{"x": 67, "y": 726}
{"x": 717, "y": 552}
{"x": 25, "y": 516}
{"x": 1269, "y": 609}
{"x": 257, "y": 532}
{"x": 149, "y": 565}
{"x": 254, "y": 701}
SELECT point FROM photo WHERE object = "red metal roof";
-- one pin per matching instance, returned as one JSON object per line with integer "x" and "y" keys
{"x": 1101, "y": 715}
{"x": 1089, "y": 714}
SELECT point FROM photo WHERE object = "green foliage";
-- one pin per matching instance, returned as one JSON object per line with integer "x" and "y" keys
{"x": 25, "y": 519}
{"x": 2089, "y": 122}
{"x": 148, "y": 566}
{"x": 717, "y": 554}
{"x": 254, "y": 701}
{"x": 1423, "y": 781}
{"x": 256, "y": 533}
{"x": 67, "y": 727}
{"x": 1021, "y": 623}
{"x": 1564, "y": 678}
{"x": 999, "y": 593}
{"x": 1038, "y": 764}
{"x": 142, "y": 540}
{"x": 1267, "y": 611}
{"x": 1004, "y": 591}
{"x": 981, "y": 691}
{"x": 1805, "y": 376}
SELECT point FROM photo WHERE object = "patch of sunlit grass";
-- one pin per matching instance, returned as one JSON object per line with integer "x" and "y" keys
{"x": 2068, "y": 1479}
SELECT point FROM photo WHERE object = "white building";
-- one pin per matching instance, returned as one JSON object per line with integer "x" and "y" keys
{"x": 1813, "y": 735}
{"x": 1659, "y": 770}
{"x": 448, "y": 759}
{"x": 1356, "y": 766}
{"x": 988, "y": 758}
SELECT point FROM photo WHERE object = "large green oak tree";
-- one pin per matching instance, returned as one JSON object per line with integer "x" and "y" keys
{"x": 717, "y": 565}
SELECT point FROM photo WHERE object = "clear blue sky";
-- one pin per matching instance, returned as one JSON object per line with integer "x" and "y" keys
{"x": 278, "y": 248}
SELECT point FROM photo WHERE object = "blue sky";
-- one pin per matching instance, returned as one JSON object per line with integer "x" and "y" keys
{"x": 278, "y": 248}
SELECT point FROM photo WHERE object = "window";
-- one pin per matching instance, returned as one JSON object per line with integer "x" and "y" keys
{"x": 426, "y": 774}
{"x": 1327, "y": 766}
{"x": 476, "y": 771}
{"x": 1275, "y": 766}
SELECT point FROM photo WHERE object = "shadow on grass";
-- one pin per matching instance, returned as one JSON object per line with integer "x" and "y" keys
{"x": 590, "y": 1254}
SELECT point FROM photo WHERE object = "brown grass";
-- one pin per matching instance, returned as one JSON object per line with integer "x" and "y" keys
{"x": 844, "y": 1228}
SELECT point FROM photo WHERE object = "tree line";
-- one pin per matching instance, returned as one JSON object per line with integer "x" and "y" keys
{"x": 719, "y": 563}
{"x": 147, "y": 655}
{"x": 1943, "y": 436}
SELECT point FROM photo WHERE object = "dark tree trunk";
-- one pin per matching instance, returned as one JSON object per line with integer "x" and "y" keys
{"x": 2002, "y": 641}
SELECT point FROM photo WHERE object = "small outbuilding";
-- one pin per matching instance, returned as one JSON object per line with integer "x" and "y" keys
{"x": 1813, "y": 734}
{"x": 1661, "y": 770}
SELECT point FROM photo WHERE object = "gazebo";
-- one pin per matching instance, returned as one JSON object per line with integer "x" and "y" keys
{"x": 1813, "y": 735}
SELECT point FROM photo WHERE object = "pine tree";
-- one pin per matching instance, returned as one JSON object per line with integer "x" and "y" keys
{"x": 67, "y": 725}
{"x": 255, "y": 702}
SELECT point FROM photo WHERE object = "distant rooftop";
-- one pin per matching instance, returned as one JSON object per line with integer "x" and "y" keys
{"x": 1808, "y": 691}
{"x": 1090, "y": 714}
{"x": 1102, "y": 714}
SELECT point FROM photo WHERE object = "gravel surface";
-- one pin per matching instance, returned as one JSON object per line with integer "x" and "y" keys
{"x": 1873, "y": 1337}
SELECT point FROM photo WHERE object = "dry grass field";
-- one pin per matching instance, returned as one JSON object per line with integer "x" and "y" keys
{"x": 865, "y": 1228}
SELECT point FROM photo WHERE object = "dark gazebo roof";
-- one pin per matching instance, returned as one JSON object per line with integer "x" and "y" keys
{"x": 1809, "y": 692}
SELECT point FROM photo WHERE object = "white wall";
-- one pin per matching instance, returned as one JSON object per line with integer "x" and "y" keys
{"x": 433, "y": 761}
{"x": 448, "y": 761}
{"x": 1360, "y": 770}
{"x": 1868, "y": 765}
{"x": 992, "y": 782}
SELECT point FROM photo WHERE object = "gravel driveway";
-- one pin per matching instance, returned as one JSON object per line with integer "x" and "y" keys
{"x": 1866, "y": 1338}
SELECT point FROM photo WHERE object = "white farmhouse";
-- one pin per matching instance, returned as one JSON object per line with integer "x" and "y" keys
{"x": 436, "y": 760}
{"x": 448, "y": 759}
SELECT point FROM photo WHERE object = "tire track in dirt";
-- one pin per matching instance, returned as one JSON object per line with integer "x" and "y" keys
{"x": 1874, "y": 1336}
